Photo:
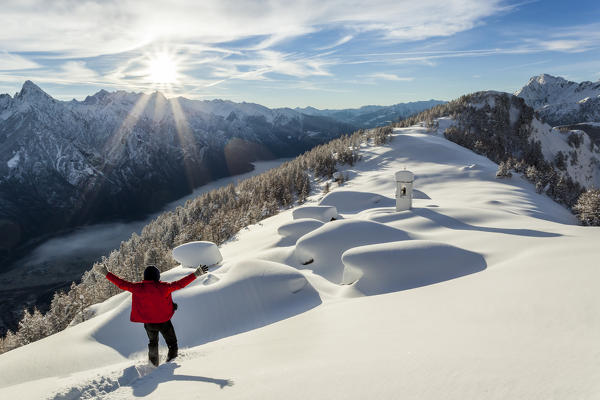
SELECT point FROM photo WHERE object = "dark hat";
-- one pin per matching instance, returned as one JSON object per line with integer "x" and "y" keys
{"x": 151, "y": 273}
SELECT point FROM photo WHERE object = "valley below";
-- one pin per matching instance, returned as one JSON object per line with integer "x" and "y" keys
{"x": 53, "y": 264}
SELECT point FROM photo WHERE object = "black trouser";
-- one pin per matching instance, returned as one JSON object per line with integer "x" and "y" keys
{"x": 167, "y": 331}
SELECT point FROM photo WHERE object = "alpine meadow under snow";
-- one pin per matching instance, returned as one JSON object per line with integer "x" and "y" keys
{"x": 484, "y": 289}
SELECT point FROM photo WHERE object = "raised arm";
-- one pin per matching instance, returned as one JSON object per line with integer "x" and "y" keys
{"x": 181, "y": 283}
{"x": 186, "y": 280}
{"x": 121, "y": 283}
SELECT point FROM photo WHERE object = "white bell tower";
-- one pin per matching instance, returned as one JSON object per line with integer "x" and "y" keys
{"x": 404, "y": 190}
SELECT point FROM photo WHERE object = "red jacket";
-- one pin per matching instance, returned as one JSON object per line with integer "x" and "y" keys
{"x": 151, "y": 301}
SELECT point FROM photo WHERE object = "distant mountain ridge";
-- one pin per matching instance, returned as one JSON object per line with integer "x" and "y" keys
{"x": 572, "y": 152}
{"x": 372, "y": 116}
{"x": 562, "y": 102}
{"x": 120, "y": 154}
{"x": 503, "y": 127}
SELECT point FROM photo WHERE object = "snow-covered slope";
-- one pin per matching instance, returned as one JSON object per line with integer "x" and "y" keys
{"x": 485, "y": 289}
{"x": 581, "y": 157}
{"x": 500, "y": 126}
{"x": 562, "y": 102}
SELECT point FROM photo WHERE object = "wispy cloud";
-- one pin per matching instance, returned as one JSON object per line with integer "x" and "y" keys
{"x": 563, "y": 45}
{"x": 391, "y": 77}
{"x": 224, "y": 45}
{"x": 575, "y": 38}
{"x": 340, "y": 42}
{"x": 521, "y": 66}
{"x": 77, "y": 71}
{"x": 10, "y": 62}
{"x": 90, "y": 28}
{"x": 216, "y": 41}
{"x": 524, "y": 47}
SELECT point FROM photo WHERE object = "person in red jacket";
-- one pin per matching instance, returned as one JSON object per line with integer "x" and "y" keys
{"x": 153, "y": 305}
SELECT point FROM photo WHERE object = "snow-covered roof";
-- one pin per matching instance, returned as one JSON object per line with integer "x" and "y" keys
{"x": 194, "y": 254}
{"x": 404, "y": 176}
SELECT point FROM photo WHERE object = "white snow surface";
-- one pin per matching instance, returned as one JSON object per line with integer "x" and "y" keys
{"x": 323, "y": 213}
{"x": 583, "y": 162}
{"x": 323, "y": 247}
{"x": 484, "y": 290}
{"x": 194, "y": 254}
{"x": 297, "y": 228}
{"x": 391, "y": 267}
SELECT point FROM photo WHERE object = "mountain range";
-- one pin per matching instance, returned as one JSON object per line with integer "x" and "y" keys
{"x": 116, "y": 155}
{"x": 504, "y": 121}
{"x": 123, "y": 155}
{"x": 372, "y": 116}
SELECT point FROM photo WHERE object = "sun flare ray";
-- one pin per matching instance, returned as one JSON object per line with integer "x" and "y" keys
{"x": 194, "y": 175}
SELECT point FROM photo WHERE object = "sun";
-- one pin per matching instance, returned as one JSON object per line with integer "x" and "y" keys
{"x": 162, "y": 69}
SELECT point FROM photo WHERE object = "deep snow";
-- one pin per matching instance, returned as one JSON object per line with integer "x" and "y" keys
{"x": 485, "y": 289}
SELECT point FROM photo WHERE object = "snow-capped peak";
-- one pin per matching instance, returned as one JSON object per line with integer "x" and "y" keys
{"x": 561, "y": 101}
{"x": 95, "y": 98}
{"x": 547, "y": 79}
{"x": 32, "y": 92}
{"x": 548, "y": 89}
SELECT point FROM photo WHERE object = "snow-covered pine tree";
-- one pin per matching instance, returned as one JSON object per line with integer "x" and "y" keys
{"x": 587, "y": 207}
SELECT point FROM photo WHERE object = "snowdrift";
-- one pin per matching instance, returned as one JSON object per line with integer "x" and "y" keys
{"x": 249, "y": 295}
{"x": 298, "y": 228}
{"x": 389, "y": 267}
{"x": 253, "y": 293}
{"x": 321, "y": 250}
{"x": 321, "y": 213}
{"x": 351, "y": 201}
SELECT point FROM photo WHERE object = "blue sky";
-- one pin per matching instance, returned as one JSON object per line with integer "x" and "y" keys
{"x": 323, "y": 53}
